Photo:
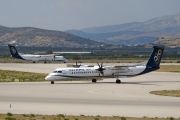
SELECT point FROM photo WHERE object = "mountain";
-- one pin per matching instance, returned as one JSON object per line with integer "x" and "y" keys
{"x": 28, "y": 36}
{"x": 110, "y": 28}
{"x": 135, "y": 32}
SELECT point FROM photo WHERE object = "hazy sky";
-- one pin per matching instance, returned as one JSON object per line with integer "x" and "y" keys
{"x": 78, "y": 14}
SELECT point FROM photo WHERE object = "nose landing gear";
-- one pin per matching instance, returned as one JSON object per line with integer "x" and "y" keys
{"x": 118, "y": 81}
{"x": 52, "y": 82}
{"x": 93, "y": 80}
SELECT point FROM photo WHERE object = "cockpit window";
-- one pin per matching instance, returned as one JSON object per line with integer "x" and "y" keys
{"x": 57, "y": 71}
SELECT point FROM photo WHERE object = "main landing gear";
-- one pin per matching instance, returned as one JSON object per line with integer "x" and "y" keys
{"x": 93, "y": 80}
{"x": 52, "y": 82}
{"x": 118, "y": 81}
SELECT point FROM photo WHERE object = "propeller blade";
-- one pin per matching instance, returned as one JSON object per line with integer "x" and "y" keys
{"x": 101, "y": 64}
{"x": 98, "y": 64}
{"x": 102, "y": 73}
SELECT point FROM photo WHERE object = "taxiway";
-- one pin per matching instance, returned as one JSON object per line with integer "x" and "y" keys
{"x": 104, "y": 98}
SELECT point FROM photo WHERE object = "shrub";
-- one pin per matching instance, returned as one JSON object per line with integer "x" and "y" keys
{"x": 171, "y": 118}
{"x": 60, "y": 115}
{"x": 32, "y": 115}
{"x": 24, "y": 115}
{"x": 9, "y": 114}
{"x": 66, "y": 119}
{"x": 123, "y": 118}
{"x": 10, "y": 118}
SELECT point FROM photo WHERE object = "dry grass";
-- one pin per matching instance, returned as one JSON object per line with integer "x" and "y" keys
{"x": 68, "y": 117}
{"x": 16, "y": 76}
{"x": 169, "y": 68}
{"x": 174, "y": 93}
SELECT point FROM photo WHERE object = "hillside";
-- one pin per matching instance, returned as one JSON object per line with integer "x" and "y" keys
{"x": 135, "y": 32}
{"x": 28, "y": 36}
{"x": 168, "y": 42}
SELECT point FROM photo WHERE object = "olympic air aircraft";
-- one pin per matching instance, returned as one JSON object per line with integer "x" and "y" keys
{"x": 100, "y": 71}
{"x": 34, "y": 58}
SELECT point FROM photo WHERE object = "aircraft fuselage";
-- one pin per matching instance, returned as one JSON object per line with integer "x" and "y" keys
{"x": 92, "y": 72}
{"x": 42, "y": 57}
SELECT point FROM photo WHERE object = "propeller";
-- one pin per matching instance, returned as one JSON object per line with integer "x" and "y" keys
{"x": 100, "y": 69}
{"x": 77, "y": 66}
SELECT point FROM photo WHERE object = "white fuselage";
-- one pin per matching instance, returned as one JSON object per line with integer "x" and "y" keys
{"x": 42, "y": 57}
{"x": 92, "y": 72}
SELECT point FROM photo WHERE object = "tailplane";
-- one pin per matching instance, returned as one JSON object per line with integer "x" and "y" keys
{"x": 155, "y": 58}
{"x": 14, "y": 52}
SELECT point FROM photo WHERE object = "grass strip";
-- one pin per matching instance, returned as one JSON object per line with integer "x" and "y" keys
{"x": 70, "y": 117}
{"x": 17, "y": 76}
{"x": 169, "y": 68}
{"x": 173, "y": 93}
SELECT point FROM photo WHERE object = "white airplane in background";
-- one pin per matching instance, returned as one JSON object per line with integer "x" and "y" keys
{"x": 34, "y": 58}
{"x": 100, "y": 71}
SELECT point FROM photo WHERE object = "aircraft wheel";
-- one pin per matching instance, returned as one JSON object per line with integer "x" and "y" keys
{"x": 45, "y": 62}
{"x": 52, "y": 82}
{"x": 118, "y": 81}
{"x": 93, "y": 80}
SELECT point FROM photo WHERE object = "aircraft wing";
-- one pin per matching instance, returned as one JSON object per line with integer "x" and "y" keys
{"x": 71, "y": 52}
{"x": 131, "y": 65}
{"x": 125, "y": 66}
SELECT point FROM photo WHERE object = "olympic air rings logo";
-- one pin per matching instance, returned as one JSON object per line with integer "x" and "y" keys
{"x": 13, "y": 50}
{"x": 157, "y": 56}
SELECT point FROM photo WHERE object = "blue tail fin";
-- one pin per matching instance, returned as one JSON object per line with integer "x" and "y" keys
{"x": 14, "y": 52}
{"x": 155, "y": 58}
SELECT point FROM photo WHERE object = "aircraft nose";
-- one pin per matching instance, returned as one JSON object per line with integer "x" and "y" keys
{"x": 65, "y": 60}
{"x": 48, "y": 77}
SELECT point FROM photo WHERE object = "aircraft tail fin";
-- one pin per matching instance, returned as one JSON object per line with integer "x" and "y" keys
{"x": 14, "y": 52}
{"x": 155, "y": 58}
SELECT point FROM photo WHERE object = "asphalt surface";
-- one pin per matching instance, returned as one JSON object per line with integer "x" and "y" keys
{"x": 105, "y": 98}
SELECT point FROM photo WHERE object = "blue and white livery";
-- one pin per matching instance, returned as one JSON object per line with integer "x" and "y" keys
{"x": 100, "y": 71}
{"x": 34, "y": 58}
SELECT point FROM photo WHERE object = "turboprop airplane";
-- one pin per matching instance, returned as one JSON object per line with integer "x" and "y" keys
{"x": 34, "y": 58}
{"x": 100, "y": 71}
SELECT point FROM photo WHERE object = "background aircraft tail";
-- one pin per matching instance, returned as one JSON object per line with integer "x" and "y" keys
{"x": 14, "y": 52}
